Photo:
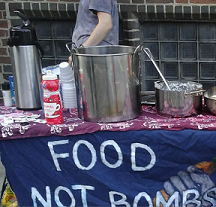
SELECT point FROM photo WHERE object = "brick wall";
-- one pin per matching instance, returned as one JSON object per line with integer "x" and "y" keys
{"x": 131, "y": 13}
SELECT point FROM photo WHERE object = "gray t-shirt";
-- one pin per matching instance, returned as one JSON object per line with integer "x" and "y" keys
{"x": 87, "y": 20}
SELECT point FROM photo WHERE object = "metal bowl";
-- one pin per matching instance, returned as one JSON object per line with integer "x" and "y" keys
{"x": 210, "y": 99}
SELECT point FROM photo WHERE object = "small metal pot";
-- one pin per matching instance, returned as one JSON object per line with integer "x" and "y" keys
{"x": 182, "y": 101}
{"x": 210, "y": 99}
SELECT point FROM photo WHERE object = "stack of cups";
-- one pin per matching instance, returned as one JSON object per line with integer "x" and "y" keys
{"x": 68, "y": 89}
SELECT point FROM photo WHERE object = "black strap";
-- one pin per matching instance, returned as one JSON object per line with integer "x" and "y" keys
{"x": 40, "y": 49}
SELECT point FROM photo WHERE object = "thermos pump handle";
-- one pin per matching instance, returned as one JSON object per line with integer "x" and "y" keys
{"x": 26, "y": 22}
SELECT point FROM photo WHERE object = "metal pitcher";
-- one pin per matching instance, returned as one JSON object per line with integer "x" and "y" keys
{"x": 26, "y": 54}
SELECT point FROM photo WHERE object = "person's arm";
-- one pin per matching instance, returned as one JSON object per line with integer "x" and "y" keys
{"x": 101, "y": 30}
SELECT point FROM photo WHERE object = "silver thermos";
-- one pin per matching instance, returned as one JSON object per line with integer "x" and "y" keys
{"x": 26, "y": 54}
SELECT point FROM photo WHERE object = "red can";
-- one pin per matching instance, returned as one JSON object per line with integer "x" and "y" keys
{"x": 53, "y": 109}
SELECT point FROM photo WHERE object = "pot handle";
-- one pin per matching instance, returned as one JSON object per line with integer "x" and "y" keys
{"x": 139, "y": 48}
{"x": 73, "y": 49}
{"x": 193, "y": 92}
{"x": 67, "y": 46}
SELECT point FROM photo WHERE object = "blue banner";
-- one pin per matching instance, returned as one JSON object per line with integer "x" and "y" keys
{"x": 133, "y": 168}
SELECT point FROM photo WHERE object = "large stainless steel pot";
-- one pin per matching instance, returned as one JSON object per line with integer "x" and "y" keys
{"x": 107, "y": 82}
{"x": 184, "y": 99}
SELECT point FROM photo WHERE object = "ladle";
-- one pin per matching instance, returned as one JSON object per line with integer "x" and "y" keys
{"x": 148, "y": 53}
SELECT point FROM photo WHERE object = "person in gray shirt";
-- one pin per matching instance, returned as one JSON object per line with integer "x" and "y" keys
{"x": 97, "y": 23}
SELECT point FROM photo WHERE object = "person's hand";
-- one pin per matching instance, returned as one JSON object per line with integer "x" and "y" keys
{"x": 70, "y": 61}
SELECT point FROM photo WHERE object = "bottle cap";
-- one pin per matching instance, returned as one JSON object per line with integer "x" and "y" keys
{"x": 49, "y": 76}
{"x": 5, "y": 86}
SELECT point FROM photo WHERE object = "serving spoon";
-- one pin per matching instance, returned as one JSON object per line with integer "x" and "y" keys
{"x": 149, "y": 54}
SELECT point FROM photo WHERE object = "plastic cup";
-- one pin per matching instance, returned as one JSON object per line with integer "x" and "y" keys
{"x": 67, "y": 85}
{"x": 66, "y": 72}
{"x": 70, "y": 105}
{"x": 68, "y": 91}
{"x": 65, "y": 66}
{"x": 66, "y": 78}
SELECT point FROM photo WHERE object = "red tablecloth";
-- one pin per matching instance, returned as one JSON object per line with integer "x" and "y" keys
{"x": 32, "y": 123}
